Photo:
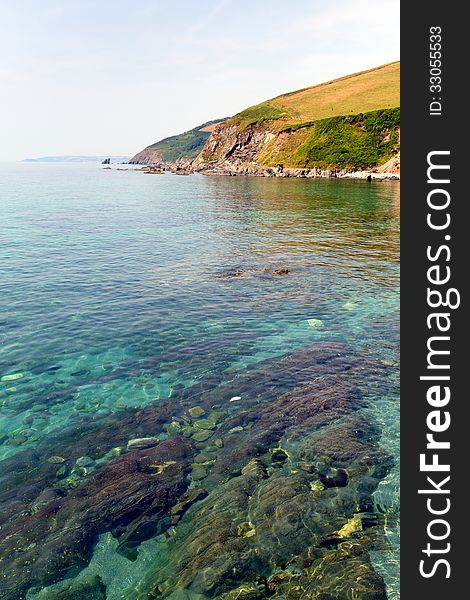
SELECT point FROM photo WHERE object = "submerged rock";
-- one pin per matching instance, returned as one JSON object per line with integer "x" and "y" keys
{"x": 56, "y": 460}
{"x": 85, "y": 588}
{"x": 247, "y": 591}
{"x": 237, "y": 273}
{"x": 223, "y": 544}
{"x": 199, "y": 472}
{"x": 126, "y": 497}
{"x": 84, "y": 461}
{"x": 315, "y": 322}
{"x": 187, "y": 500}
{"x": 280, "y": 271}
{"x": 246, "y": 530}
{"x": 196, "y": 412}
{"x": 201, "y": 436}
{"x": 12, "y": 377}
{"x": 206, "y": 424}
{"x": 344, "y": 574}
{"x": 140, "y": 443}
{"x": 279, "y": 455}
{"x": 305, "y": 401}
{"x": 335, "y": 478}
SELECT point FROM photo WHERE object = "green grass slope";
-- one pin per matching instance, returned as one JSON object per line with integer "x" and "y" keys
{"x": 362, "y": 92}
{"x": 184, "y": 146}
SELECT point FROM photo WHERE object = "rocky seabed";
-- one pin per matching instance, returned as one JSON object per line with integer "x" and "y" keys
{"x": 259, "y": 487}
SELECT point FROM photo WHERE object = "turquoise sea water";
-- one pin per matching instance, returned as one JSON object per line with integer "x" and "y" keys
{"x": 120, "y": 288}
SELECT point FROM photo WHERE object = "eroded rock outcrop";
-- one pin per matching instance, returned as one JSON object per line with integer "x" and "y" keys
{"x": 131, "y": 496}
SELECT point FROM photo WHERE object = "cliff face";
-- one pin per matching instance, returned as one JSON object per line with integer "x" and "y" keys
{"x": 306, "y": 134}
{"x": 147, "y": 156}
{"x": 361, "y": 143}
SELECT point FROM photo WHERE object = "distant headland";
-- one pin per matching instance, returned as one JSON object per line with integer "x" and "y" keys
{"x": 76, "y": 158}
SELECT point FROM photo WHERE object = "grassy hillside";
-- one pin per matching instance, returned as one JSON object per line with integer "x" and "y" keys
{"x": 367, "y": 91}
{"x": 186, "y": 145}
{"x": 349, "y": 123}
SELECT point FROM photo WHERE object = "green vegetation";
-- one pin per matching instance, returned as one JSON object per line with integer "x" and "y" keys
{"x": 349, "y": 142}
{"x": 186, "y": 145}
{"x": 362, "y": 92}
{"x": 259, "y": 113}
{"x": 356, "y": 142}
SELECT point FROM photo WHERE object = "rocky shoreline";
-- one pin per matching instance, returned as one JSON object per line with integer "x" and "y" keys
{"x": 253, "y": 170}
{"x": 234, "y": 167}
{"x": 258, "y": 171}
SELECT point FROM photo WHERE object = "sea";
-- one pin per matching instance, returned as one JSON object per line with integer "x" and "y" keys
{"x": 121, "y": 290}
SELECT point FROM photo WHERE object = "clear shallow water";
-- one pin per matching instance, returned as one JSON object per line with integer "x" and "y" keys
{"x": 114, "y": 291}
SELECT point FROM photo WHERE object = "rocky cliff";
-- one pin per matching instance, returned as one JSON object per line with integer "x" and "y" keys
{"x": 344, "y": 127}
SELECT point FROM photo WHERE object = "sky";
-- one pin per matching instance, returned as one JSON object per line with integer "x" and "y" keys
{"x": 109, "y": 77}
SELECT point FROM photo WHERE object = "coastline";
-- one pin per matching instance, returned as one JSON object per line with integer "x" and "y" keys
{"x": 258, "y": 171}
{"x": 254, "y": 170}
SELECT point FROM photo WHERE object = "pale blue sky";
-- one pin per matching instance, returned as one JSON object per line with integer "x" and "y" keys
{"x": 112, "y": 76}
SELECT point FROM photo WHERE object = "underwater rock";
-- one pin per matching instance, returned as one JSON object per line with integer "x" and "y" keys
{"x": 17, "y": 440}
{"x": 39, "y": 407}
{"x": 315, "y": 322}
{"x": 335, "y": 478}
{"x": 278, "y": 404}
{"x": 304, "y": 409}
{"x": 247, "y": 591}
{"x": 187, "y": 500}
{"x": 199, "y": 472}
{"x": 344, "y": 574}
{"x": 125, "y": 497}
{"x": 307, "y": 467}
{"x": 56, "y": 460}
{"x": 276, "y": 580}
{"x": 252, "y": 272}
{"x": 280, "y": 271}
{"x": 201, "y": 436}
{"x": 236, "y": 429}
{"x": 26, "y": 473}
{"x": 255, "y": 467}
{"x": 141, "y": 443}
{"x": 224, "y": 542}
{"x": 246, "y": 530}
{"x": 85, "y": 588}
{"x": 46, "y": 496}
{"x": 39, "y": 369}
{"x": 279, "y": 455}
{"x": 196, "y": 412}
{"x": 206, "y": 424}
{"x": 354, "y": 525}
{"x": 84, "y": 461}
{"x": 12, "y": 377}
